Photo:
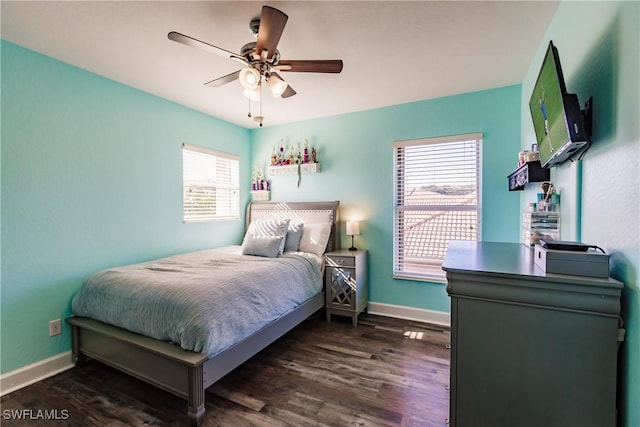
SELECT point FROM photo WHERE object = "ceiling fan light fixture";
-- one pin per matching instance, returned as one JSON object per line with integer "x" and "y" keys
{"x": 277, "y": 86}
{"x": 253, "y": 95}
{"x": 249, "y": 78}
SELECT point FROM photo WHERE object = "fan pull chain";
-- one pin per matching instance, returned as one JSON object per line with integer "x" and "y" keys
{"x": 261, "y": 116}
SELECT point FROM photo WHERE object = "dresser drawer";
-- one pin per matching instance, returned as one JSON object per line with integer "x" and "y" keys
{"x": 341, "y": 261}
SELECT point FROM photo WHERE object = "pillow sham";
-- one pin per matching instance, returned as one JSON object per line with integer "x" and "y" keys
{"x": 265, "y": 246}
{"x": 262, "y": 229}
{"x": 294, "y": 233}
{"x": 315, "y": 238}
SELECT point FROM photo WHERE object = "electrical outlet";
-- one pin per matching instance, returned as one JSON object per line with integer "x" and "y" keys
{"x": 55, "y": 327}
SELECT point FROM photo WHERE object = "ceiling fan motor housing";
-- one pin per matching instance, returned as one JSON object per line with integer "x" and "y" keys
{"x": 248, "y": 51}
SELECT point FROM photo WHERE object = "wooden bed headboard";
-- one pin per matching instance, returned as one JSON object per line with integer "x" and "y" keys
{"x": 305, "y": 212}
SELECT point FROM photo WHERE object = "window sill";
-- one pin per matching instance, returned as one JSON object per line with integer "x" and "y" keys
{"x": 210, "y": 219}
{"x": 422, "y": 278}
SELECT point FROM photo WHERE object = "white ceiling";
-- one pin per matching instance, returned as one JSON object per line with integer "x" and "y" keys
{"x": 394, "y": 52}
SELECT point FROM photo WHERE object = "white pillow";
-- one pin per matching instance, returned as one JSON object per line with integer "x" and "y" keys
{"x": 294, "y": 233}
{"x": 315, "y": 238}
{"x": 262, "y": 228}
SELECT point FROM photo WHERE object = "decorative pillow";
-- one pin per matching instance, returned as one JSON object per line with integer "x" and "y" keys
{"x": 294, "y": 233}
{"x": 261, "y": 229}
{"x": 266, "y": 246}
{"x": 315, "y": 238}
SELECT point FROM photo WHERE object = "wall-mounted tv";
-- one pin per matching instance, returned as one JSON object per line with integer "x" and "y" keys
{"x": 559, "y": 124}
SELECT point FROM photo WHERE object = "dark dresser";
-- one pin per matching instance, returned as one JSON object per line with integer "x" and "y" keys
{"x": 529, "y": 348}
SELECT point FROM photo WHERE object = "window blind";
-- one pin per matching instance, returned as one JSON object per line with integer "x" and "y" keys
{"x": 210, "y": 182}
{"x": 437, "y": 199}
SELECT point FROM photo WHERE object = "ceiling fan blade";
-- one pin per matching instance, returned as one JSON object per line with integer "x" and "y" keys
{"x": 272, "y": 22}
{"x": 311, "y": 66}
{"x": 190, "y": 41}
{"x": 289, "y": 92}
{"x": 223, "y": 80}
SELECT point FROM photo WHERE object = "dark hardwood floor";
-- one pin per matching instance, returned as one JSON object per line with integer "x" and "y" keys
{"x": 385, "y": 372}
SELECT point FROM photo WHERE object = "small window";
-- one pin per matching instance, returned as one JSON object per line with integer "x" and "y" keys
{"x": 210, "y": 182}
{"x": 437, "y": 199}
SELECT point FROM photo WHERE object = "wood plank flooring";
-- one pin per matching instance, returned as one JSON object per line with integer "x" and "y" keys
{"x": 385, "y": 372}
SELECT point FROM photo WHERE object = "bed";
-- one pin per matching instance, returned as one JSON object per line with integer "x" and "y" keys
{"x": 162, "y": 361}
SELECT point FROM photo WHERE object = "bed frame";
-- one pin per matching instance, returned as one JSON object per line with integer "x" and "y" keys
{"x": 188, "y": 374}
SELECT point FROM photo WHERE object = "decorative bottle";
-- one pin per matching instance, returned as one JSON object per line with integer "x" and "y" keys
{"x": 305, "y": 158}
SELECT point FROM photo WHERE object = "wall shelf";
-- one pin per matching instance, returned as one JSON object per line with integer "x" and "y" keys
{"x": 260, "y": 195}
{"x": 293, "y": 169}
{"x": 529, "y": 172}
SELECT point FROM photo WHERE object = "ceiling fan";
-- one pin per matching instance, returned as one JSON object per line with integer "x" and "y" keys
{"x": 261, "y": 59}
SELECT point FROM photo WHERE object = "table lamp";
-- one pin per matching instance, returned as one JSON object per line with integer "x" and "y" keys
{"x": 353, "y": 229}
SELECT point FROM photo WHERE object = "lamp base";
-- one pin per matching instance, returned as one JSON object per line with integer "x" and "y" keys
{"x": 352, "y": 248}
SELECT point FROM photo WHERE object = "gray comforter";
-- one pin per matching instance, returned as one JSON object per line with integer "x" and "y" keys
{"x": 203, "y": 301}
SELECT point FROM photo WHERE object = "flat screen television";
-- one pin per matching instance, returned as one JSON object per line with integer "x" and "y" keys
{"x": 558, "y": 121}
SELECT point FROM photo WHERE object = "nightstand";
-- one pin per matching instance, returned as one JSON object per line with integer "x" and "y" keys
{"x": 347, "y": 290}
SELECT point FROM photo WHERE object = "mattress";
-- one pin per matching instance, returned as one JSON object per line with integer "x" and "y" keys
{"x": 202, "y": 301}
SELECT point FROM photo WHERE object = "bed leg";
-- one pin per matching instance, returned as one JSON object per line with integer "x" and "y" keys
{"x": 196, "y": 396}
{"x": 77, "y": 358}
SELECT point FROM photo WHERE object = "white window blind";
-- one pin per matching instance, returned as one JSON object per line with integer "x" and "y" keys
{"x": 210, "y": 182}
{"x": 437, "y": 199}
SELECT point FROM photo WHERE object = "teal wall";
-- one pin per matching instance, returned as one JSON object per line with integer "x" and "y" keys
{"x": 91, "y": 178}
{"x": 356, "y": 159}
{"x": 599, "y": 49}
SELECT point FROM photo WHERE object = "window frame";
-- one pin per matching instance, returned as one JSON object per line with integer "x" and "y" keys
{"x": 433, "y": 272}
{"x": 232, "y": 184}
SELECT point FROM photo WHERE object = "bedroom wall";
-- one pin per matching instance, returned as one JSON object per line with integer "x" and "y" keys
{"x": 598, "y": 44}
{"x": 356, "y": 159}
{"x": 91, "y": 178}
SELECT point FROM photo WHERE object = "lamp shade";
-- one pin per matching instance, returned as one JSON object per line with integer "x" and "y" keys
{"x": 353, "y": 228}
{"x": 276, "y": 85}
{"x": 249, "y": 78}
{"x": 253, "y": 95}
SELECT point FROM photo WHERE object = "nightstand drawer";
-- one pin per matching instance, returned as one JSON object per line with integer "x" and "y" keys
{"x": 341, "y": 261}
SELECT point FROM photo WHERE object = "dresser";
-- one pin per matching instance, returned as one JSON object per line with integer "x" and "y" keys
{"x": 529, "y": 349}
{"x": 347, "y": 291}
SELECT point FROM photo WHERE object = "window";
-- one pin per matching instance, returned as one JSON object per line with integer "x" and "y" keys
{"x": 210, "y": 182}
{"x": 437, "y": 199}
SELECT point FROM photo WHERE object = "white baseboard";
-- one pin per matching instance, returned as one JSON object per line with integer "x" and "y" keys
{"x": 410, "y": 313}
{"x": 22, "y": 377}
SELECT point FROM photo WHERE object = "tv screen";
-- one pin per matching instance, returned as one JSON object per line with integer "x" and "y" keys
{"x": 557, "y": 118}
